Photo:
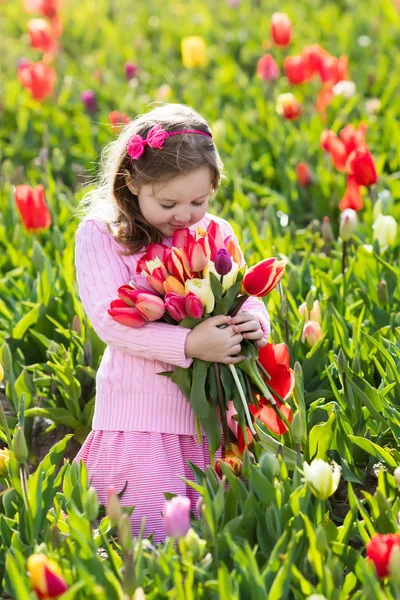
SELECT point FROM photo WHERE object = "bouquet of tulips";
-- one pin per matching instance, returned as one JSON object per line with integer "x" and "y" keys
{"x": 201, "y": 276}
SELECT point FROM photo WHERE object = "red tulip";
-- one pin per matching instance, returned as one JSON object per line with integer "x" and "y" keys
{"x": 32, "y": 207}
{"x": 288, "y": 107}
{"x": 337, "y": 149}
{"x": 268, "y": 416}
{"x": 38, "y": 78}
{"x": 126, "y": 315}
{"x": 267, "y": 69}
{"x": 118, "y": 120}
{"x": 353, "y": 138}
{"x": 361, "y": 165}
{"x": 232, "y": 461}
{"x": 312, "y": 58}
{"x": 214, "y": 232}
{"x": 303, "y": 174}
{"x": 295, "y": 69}
{"x": 175, "y": 305}
{"x": 193, "y": 306}
{"x": 48, "y": 8}
{"x": 281, "y": 29}
{"x": 261, "y": 279}
{"x": 240, "y": 437}
{"x": 182, "y": 238}
{"x": 46, "y": 577}
{"x": 41, "y": 35}
{"x": 379, "y": 549}
{"x": 352, "y": 197}
{"x": 157, "y": 278}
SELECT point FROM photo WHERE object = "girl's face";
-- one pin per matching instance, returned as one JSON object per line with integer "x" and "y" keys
{"x": 177, "y": 203}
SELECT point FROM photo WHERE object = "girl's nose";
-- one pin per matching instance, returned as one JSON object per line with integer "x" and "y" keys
{"x": 182, "y": 217}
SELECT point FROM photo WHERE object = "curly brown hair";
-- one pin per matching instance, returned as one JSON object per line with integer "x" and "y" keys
{"x": 181, "y": 154}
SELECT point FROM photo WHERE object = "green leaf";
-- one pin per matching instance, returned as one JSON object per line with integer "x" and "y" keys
{"x": 27, "y": 321}
{"x": 198, "y": 398}
{"x": 374, "y": 450}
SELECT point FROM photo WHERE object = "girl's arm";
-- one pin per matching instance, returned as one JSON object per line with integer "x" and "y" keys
{"x": 100, "y": 272}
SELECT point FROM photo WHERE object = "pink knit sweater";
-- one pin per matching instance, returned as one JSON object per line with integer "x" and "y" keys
{"x": 130, "y": 396}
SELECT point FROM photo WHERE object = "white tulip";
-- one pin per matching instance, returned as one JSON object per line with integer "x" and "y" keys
{"x": 385, "y": 230}
{"x": 322, "y": 479}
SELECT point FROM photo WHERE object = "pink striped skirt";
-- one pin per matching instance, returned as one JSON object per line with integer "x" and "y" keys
{"x": 148, "y": 464}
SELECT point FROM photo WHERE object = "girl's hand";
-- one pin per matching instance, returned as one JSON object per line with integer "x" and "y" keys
{"x": 214, "y": 340}
{"x": 249, "y": 326}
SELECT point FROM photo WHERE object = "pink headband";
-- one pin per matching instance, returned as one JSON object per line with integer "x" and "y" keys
{"x": 155, "y": 139}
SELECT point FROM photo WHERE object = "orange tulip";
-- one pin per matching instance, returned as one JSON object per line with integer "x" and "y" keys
{"x": 261, "y": 279}
{"x": 38, "y": 78}
{"x": 288, "y": 107}
{"x": 281, "y": 29}
{"x": 172, "y": 284}
{"x": 46, "y": 577}
{"x": 303, "y": 174}
{"x": 32, "y": 207}
{"x": 352, "y": 197}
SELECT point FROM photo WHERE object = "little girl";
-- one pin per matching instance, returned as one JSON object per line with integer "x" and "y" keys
{"x": 155, "y": 180}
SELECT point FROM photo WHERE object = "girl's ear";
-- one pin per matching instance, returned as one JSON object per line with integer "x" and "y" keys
{"x": 129, "y": 183}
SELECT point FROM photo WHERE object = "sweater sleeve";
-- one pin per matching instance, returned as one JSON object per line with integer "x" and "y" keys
{"x": 100, "y": 272}
{"x": 252, "y": 305}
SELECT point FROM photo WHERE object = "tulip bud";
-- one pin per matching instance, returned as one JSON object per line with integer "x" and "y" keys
{"x": 281, "y": 29}
{"x": 326, "y": 231}
{"x": 293, "y": 281}
{"x": 19, "y": 446}
{"x": 348, "y": 223}
{"x": 322, "y": 479}
{"x": 312, "y": 332}
{"x": 341, "y": 361}
{"x": 269, "y": 465}
{"x": 177, "y": 516}
{"x": 303, "y": 174}
{"x": 113, "y": 507}
{"x": 310, "y": 300}
{"x": 193, "y": 306}
{"x": 287, "y": 106}
{"x": 223, "y": 262}
{"x": 297, "y": 428}
{"x": 130, "y": 70}
{"x": 383, "y": 295}
{"x": 76, "y": 325}
{"x": 90, "y": 504}
{"x": 385, "y": 230}
{"x": 193, "y": 544}
{"x": 125, "y": 533}
{"x": 46, "y": 576}
{"x": 396, "y": 476}
{"x": 88, "y": 98}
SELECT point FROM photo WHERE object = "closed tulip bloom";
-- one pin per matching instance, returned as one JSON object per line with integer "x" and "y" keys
{"x": 194, "y": 52}
{"x": 281, "y": 29}
{"x": 126, "y": 315}
{"x": 177, "y": 517}
{"x": 362, "y": 166}
{"x": 314, "y": 314}
{"x": 157, "y": 279}
{"x": 89, "y": 99}
{"x": 202, "y": 289}
{"x": 348, "y": 223}
{"x": 261, "y": 279}
{"x": 352, "y": 199}
{"x": 182, "y": 238}
{"x": 303, "y": 174}
{"x": 267, "y": 69}
{"x": 295, "y": 69}
{"x": 130, "y": 70}
{"x": 41, "y": 35}
{"x": 326, "y": 231}
{"x": 385, "y": 230}
{"x": 175, "y": 306}
{"x": 193, "y": 306}
{"x": 312, "y": 332}
{"x": 228, "y": 280}
{"x": 322, "y": 479}
{"x": 38, "y": 78}
{"x": 379, "y": 549}
{"x": 288, "y": 107}
{"x": 196, "y": 257}
{"x": 150, "y": 306}
{"x": 233, "y": 249}
{"x": 46, "y": 577}
{"x": 32, "y": 207}
{"x": 223, "y": 262}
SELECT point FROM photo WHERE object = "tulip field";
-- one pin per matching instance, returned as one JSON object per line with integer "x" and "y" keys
{"x": 303, "y": 107}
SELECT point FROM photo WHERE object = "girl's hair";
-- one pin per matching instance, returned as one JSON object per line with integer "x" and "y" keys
{"x": 115, "y": 204}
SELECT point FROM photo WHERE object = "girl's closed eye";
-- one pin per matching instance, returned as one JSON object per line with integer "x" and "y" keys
{"x": 172, "y": 205}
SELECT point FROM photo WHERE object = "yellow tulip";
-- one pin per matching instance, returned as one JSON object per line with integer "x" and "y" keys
{"x": 194, "y": 52}
{"x": 4, "y": 458}
{"x": 228, "y": 280}
{"x": 202, "y": 289}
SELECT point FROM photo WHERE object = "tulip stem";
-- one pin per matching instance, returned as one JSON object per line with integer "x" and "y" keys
{"x": 320, "y": 511}
{"x": 239, "y": 305}
{"x": 344, "y": 261}
{"x": 263, "y": 371}
{"x": 242, "y": 396}
{"x": 222, "y": 409}
{"x": 198, "y": 432}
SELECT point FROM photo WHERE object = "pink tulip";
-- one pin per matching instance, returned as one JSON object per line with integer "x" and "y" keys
{"x": 261, "y": 279}
{"x": 312, "y": 332}
{"x": 157, "y": 278}
{"x": 126, "y": 315}
{"x": 129, "y": 294}
{"x": 182, "y": 238}
{"x": 193, "y": 306}
{"x": 177, "y": 516}
{"x": 197, "y": 259}
{"x": 175, "y": 305}
{"x": 140, "y": 282}
{"x": 150, "y": 306}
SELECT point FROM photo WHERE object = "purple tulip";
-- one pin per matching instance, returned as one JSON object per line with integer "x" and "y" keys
{"x": 88, "y": 98}
{"x": 130, "y": 70}
{"x": 177, "y": 516}
{"x": 223, "y": 262}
